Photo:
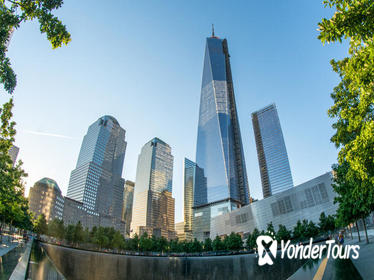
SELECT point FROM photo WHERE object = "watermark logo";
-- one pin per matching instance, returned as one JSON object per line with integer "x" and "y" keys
{"x": 264, "y": 257}
{"x": 301, "y": 251}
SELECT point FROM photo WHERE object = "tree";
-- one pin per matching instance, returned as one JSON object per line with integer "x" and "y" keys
{"x": 145, "y": 243}
{"x": 283, "y": 233}
{"x": 208, "y": 245}
{"x": 134, "y": 243}
{"x": 196, "y": 246}
{"x": 218, "y": 244}
{"x": 270, "y": 230}
{"x": 311, "y": 229}
{"x": 118, "y": 240}
{"x": 186, "y": 246}
{"x": 109, "y": 233}
{"x": 13, "y": 205}
{"x": 233, "y": 241}
{"x": 69, "y": 233}
{"x": 92, "y": 234}
{"x": 251, "y": 240}
{"x": 248, "y": 244}
{"x": 12, "y": 14}
{"x": 162, "y": 244}
{"x": 40, "y": 225}
{"x": 78, "y": 233}
{"x": 101, "y": 238}
{"x": 353, "y": 97}
{"x": 175, "y": 246}
{"x": 86, "y": 236}
{"x": 326, "y": 223}
{"x": 352, "y": 205}
{"x": 299, "y": 231}
{"x": 56, "y": 228}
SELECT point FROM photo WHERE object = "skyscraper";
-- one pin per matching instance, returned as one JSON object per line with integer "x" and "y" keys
{"x": 13, "y": 152}
{"x": 195, "y": 193}
{"x": 96, "y": 181}
{"x": 45, "y": 198}
{"x": 219, "y": 146}
{"x": 153, "y": 210}
{"x": 128, "y": 198}
{"x": 219, "y": 150}
{"x": 271, "y": 151}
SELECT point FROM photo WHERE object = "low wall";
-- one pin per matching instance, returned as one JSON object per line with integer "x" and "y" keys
{"x": 20, "y": 271}
{"x": 80, "y": 264}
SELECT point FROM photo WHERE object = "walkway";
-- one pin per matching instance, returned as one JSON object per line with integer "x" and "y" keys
{"x": 7, "y": 245}
{"x": 364, "y": 264}
{"x": 341, "y": 269}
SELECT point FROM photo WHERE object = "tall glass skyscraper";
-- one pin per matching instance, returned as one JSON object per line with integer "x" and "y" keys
{"x": 219, "y": 150}
{"x": 128, "y": 199}
{"x": 219, "y": 145}
{"x": 153, "y": 210}
{"x": 13, "y": 152}
{"x": 271, "y": 151}
{"x": 97, "y": 179}
{"x": 195, "y": 192}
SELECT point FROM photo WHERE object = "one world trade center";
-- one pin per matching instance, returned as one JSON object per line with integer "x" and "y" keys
{"x": 219, "y": 150}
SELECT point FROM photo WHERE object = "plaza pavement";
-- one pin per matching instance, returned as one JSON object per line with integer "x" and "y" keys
{"x": 365, "y": 263}
{"x": 7, "y": 245}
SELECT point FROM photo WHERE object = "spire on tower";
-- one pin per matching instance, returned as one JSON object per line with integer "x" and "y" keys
{"x": 213, "y": 31}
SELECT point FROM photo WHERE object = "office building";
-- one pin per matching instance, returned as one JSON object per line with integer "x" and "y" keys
{"x": 97, "y": 179}
{"x": 128, "y": 198}
{"x": 219, "y": 150}
{"x": 153, "y": 210}
{"x": 305, "y": 201}
{"x": 45, "y": 198}
{"x": 195, "y": 193}
{"x": 179, "y": 231}
{"x": 13, "y": 152}
{"x": 271, "y": 151}
{"x": 74, "y": 212}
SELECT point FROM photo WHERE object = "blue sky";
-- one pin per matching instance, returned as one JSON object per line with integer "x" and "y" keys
{"x": 141, "y": 62}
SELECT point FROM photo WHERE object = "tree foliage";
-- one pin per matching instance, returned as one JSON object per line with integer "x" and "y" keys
{"x": 326, "y": 223}
{"x": 353, "y": 98}
{"x": 233, "y": 241}
{"x": 12, "y": 14}
{"x": 40, "y": 225}
{"x": 283, "y": 233}
{"x": 56, "y": 228}
{"x": 208, "y": 246}
{"x": 13, "y": 205}
{"x": 217, "y": 244}
{"x": 305, "y": 229}
{"x": 351, "y": 207}
{"x": 145, "y": 243}
{"x": 251, "y": 240}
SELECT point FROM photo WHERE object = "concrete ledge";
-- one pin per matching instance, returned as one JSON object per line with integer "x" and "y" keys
{"x": 21, "y": 269}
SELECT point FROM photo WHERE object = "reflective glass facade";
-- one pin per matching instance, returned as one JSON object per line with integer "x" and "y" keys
{"x": 271, "y": 150}
{"x": 96, "y": 181}
{"x": 128, "y": 197}
{"x": 195, "y": 191}
{"x": 153, "y": 209}
{"x": 219, "y": 150}
{"x": 13, "y": 152}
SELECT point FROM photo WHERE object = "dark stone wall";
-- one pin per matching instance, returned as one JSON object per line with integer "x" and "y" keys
{"x": 80, "y": 264}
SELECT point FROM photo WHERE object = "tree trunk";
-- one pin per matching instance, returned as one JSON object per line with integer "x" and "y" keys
{"x": 358, "y": 233}
{"x": 366, "y": 233}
